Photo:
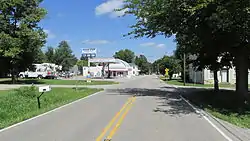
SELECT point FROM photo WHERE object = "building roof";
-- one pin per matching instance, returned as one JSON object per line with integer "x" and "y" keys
{"x": 102, "y": 60}
{"x": 123, "y": 62}
{"x": 115, "y": 64}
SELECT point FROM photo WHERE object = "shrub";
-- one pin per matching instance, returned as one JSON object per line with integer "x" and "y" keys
{"x": 30, "y": 92}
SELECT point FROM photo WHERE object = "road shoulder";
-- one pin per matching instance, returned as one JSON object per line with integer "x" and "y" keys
{"x": 228, "y": 130}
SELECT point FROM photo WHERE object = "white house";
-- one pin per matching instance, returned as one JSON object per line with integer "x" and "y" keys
{"x": 206, "y": 76}
{"x": 135, "y": 70}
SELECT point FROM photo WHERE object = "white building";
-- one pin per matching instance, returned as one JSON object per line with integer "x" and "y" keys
{"x": 206, "y": 76}
{"x": 116, "y": 67}
{"x": 135, "y": 70}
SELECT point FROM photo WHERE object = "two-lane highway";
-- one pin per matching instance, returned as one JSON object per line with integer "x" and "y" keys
{"x": 141, "y": 109}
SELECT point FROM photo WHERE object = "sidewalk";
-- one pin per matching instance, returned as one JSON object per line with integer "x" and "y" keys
{"x": 236, "y": 133}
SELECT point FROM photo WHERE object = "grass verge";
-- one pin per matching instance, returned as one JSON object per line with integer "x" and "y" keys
{"x": 58, "y": 82}
{"x": 21, "y": 104}
{"x": 223, "y": 104}
{"x": 180, "y": 83}
{"x": 3, "y": 92}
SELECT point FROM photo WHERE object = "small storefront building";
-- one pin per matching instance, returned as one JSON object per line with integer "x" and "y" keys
{"x": 110, "y": 67}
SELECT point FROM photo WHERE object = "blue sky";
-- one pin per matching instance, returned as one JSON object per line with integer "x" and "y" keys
{"x": 94, "y": 24}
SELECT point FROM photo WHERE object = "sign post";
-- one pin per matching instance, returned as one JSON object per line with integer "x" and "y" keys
{"x": 89, "y": 53}
{"x": 42, "y": 90}
{"x": 166, "y": 72}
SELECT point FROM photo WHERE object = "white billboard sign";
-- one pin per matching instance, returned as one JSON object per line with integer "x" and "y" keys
{"x": 89, "y": 51}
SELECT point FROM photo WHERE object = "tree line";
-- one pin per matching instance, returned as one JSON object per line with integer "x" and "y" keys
{"x": 145, "y": 67}
{"x": 22, "y": 39}
{"x": 167, "y": 62}
{"x": 62, "y": 55}
{"x": 129, "y": 56}
{"x": 215, "y": 33}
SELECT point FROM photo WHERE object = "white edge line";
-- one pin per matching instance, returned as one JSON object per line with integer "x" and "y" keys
{"x": 58, "y": 108}
{"x": 208, "y": 120}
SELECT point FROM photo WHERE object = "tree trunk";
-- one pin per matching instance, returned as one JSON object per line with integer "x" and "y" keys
{"x": 216, "y": 81}
{"x": 13, "y": 76}
{"x": 170, "y": 76}
{"x": 242, "y": 75}
{"x": 108, "y": 72}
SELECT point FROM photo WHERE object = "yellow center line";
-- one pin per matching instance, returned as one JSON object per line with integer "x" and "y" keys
{"x": 113, "y": 120}
{"x": 113, "y": 131}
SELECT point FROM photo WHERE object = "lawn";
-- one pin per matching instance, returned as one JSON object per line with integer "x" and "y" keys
{"x": 21, "y": 104}
{"x": 223, "y": 104}
{"x": 180, "y": 83}
{"x": 58, "y": 82}
{"x": 3, "y": 92}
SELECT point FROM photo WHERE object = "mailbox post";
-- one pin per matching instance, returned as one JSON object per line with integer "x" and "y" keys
{"x": 42, "y": 90}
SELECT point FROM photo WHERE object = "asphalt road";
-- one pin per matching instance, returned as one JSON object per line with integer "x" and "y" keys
{"x": 153, "y": 113}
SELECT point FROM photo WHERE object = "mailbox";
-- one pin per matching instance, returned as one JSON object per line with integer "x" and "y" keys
{"x": 44, "y": 89}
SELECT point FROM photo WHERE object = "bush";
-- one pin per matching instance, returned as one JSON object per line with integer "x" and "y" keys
{"x": 27, "y": 91}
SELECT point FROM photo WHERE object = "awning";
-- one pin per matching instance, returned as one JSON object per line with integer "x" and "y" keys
{"x": 102, "y": 60}
{"x": 116, "y": 70}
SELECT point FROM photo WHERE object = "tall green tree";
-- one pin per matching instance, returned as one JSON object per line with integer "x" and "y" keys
{"x": 221, "y": 26}
{"x": 40, "y": 57}
{"x": 179, "y": 54}
{"x": 125, "y": 55}
{"x": 63, "y": 56}
{"x": 80, "y": 64}
{"x": 170, "y": 62}
{"x": 50, "y": 54}
{"x": 20, "y": 36}
{"x": 142, "y": 63}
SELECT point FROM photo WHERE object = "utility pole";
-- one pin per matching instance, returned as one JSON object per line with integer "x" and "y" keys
{"x": 158, "y": 69}
{"x": 184, "y": 69}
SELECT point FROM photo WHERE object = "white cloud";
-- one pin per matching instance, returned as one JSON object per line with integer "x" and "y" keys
{"x": 49, "y": 34}
{"x": 148, "y": 44}
{"x": 96, "y": 42}
{"x": 151, "y": 44}
{"x": 117, "y": 13}
{"x": 161, "y": 45}
{"x": 109, "y": 6}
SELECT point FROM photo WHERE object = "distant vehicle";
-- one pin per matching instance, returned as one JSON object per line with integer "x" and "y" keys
{"x": 40, "y": 71}
{"x": 66, "y": 74}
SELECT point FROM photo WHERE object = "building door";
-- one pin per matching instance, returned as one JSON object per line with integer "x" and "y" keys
{"x": 224, "y": 76}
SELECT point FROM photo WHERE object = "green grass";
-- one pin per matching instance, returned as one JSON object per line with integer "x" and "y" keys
{"x": 21, "y": 104}
{"x": 3, "y": 92}
{"x": 180, "y": 83}
{"x": 225, "y": 105}
{"x": 58, "y": 82}
{"x": 4, "y": 79}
